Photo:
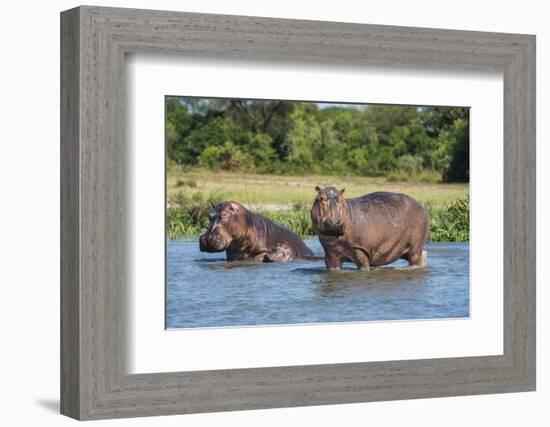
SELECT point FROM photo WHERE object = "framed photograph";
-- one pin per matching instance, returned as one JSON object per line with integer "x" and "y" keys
{"x": 261, "y": 213}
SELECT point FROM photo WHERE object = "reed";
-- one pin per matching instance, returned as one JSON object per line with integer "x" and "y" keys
{"x": 451, "y": 224}
{"x": 187, "y": 216}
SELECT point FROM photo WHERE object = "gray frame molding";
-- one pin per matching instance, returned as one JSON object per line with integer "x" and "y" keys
{"x": 94, "y": 383}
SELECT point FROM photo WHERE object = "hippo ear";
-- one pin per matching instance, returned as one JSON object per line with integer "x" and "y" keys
{"x": 234, "y": 207}
{"x": 342, "y": 191}
{"x": 318, "y": 189}
{"x": 213, "y": 205}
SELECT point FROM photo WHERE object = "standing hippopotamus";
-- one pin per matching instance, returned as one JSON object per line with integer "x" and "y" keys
{"x": 244, "y": 235}
{"x": 370, "y": 230}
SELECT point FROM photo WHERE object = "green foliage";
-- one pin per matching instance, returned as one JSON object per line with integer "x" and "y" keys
{"x": 451, "y": 224}
{"x": 302, "y": 138}
{"x": 186, "y": 183}
{"x": 385, "y": 118}
{"x": 298, "y": 221}
{"x": 410, "y": 164}
{"x": 263, "y": 155}
{"x": 450, "y": 128}
{"x": 225, "y": 157}
{"x": 459, "y": 156}
{"x": 188, "y": 216}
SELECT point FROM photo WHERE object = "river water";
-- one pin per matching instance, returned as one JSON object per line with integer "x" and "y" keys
{"x": 204, "y": 290}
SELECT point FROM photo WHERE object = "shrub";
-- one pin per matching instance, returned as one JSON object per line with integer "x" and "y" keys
{"x": 188, "y": 215}
{"x": 427, "y": 176}
{"x": 225, "y": 157}
{"x": 298, "y": 221}
{"x": 451, "y": 224}
{"x": 410, "y": 164}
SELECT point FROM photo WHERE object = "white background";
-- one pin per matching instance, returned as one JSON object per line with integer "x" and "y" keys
{"x": 29, "y": 214}
{"x": 154, "y": 350}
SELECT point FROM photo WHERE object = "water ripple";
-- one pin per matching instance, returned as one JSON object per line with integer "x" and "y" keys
{"x": 204, "y": 290}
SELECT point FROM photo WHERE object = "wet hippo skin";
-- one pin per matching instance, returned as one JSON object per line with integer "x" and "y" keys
{"x": 371, "y": 230}
{"x": 244, "y": 235}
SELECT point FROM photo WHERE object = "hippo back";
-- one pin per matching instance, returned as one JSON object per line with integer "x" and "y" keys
{"x": 385, "y": 214}
{"x": 279, "y": 235}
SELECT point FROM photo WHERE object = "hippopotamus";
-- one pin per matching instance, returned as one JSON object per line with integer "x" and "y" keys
{"x": 371, "y": 230}
{"x": 244, "y": 235}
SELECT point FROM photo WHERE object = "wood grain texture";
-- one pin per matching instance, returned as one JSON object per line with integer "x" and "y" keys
{"x": 70, "y": 221}
{"x": 94, "y": 272}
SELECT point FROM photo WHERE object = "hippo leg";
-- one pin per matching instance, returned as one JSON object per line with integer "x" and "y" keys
{"x": 362, "y": 260}
{"x": 417, "y": 258}
{"x": 333, "y": 262}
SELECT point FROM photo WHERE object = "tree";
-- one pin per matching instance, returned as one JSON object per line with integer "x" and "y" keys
{"x": 213, "y": 132}
{"x": 263, "y": 154}
{"x": 305, "y": 137}
{"x": 385, "y": 118}
{"x": 225, "y": 157}
{"x": 301, "y": 142}
{"x": 459, "y": 165}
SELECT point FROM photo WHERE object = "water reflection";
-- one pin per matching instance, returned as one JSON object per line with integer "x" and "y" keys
{"x": 225, "y": 265}
{"x": 364, "y": 281}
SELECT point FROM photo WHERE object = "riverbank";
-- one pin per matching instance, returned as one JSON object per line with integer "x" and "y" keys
{"x": 287, "y": 200}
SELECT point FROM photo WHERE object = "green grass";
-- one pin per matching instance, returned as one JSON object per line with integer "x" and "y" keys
{"x": 424, "y": 176}
{"x": 287, "y": 199}
{"x": 187, "y": 214}
{"x": 281, "y": 191}
{"x": 298, "y": 221}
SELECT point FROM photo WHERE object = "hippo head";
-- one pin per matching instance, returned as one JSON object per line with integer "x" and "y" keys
{"x": 329, "y": 212}
{"x": 227, "y": 222}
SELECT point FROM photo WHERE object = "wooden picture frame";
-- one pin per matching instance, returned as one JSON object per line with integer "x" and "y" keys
{"x": 94, "y": 382}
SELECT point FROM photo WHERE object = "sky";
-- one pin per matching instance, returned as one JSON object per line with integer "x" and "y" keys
{"x": 323, "y": 105}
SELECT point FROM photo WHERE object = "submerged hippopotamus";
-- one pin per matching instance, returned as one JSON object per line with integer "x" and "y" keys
{"x": 244, "y": 235}
{"x": 370, "y": 230}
